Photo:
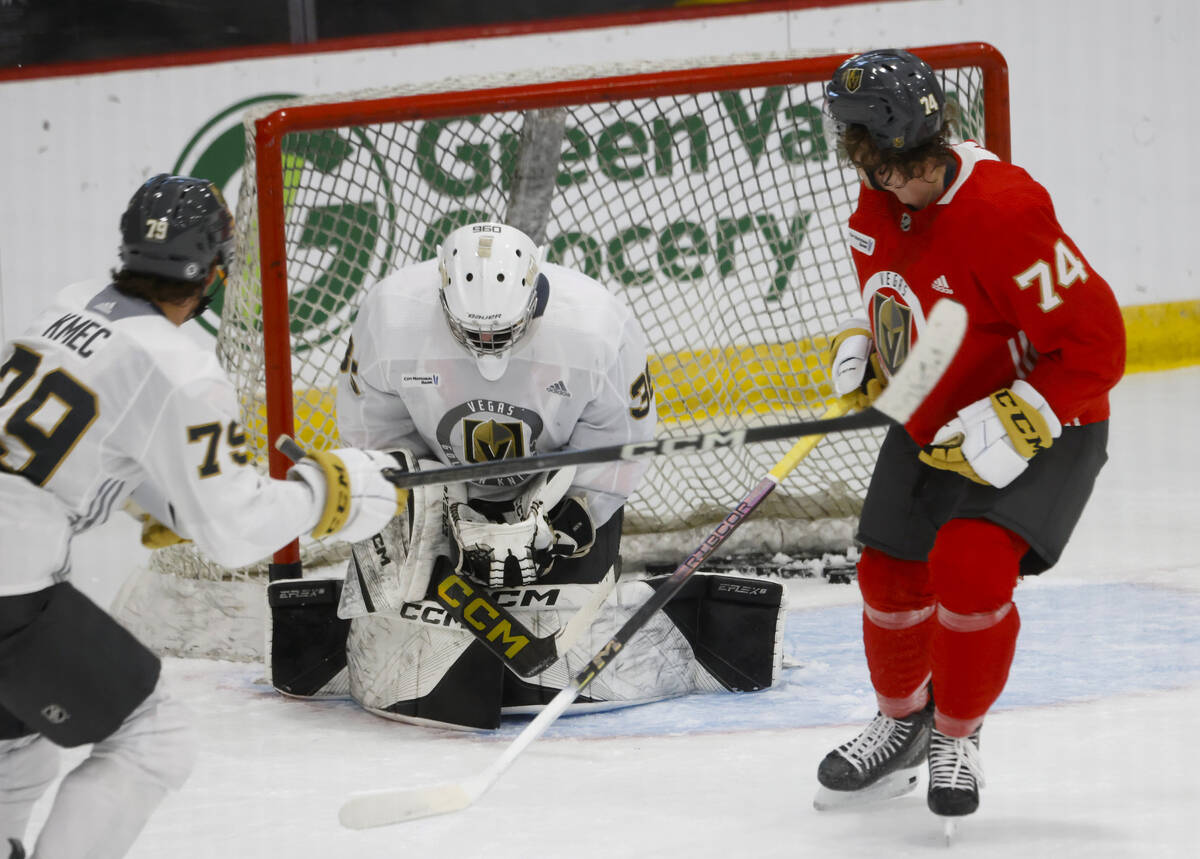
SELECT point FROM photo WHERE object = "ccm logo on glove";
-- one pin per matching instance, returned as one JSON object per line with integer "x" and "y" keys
{"x": 992, "y": 440}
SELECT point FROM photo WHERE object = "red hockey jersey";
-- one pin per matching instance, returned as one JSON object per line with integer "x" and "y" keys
{"x": 1037, "y": 311}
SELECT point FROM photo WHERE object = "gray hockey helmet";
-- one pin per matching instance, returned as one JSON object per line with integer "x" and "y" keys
{"x": 177, "y": 227}
{"x": 894, "y": 94}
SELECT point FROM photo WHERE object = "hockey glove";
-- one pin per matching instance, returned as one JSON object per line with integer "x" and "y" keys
{"x": 155, "y": 535}
{"x": 857, "y": 376}
{"x": 992, "y": 440}
{"x": 359, "y": 500}
{"x": 572, "y": 527}
{"x": 500, "y": 554}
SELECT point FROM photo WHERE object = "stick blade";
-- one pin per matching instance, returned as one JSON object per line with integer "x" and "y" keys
{"x": 925, "y": 365}
{"x": 385, "y": 807}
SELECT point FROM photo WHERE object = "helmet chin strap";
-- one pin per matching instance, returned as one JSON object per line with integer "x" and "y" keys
{"x": 208, "y": 293}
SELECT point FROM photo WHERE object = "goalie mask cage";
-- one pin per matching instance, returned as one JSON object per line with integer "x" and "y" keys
{"x": 707, "y": 196}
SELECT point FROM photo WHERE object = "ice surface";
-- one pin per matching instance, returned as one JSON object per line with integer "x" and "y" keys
{"x": 1091, "y": 752}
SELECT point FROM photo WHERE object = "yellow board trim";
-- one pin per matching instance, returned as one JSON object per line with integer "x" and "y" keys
{"x": 1161, "y": 336}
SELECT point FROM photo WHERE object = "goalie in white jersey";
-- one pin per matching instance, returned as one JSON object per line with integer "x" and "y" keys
{"x": 103, "y": 398}
{"x": 489, "y": 352}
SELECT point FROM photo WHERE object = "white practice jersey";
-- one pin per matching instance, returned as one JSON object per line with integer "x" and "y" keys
{"x": 103, "y": 396}
{"x": 576, "y": 380}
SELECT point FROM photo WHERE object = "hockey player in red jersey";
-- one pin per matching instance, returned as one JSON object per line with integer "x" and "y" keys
{"x": 986, "y": 481}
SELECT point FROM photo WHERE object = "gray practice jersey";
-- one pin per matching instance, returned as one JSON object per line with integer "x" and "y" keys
{"x": 576, "y": 380}
{"x": 103, "y": 396}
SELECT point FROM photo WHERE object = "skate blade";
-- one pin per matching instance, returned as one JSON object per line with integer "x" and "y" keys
{"x": 949, "y": 829}
{"x": 889, "y": 787}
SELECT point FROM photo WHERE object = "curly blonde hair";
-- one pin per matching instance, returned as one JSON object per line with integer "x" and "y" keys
{"x": 857, "y": 147}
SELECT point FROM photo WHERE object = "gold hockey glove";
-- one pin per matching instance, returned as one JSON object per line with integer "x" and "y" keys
{"x": 858, "y": 377}
{"x": 992, "y": 440}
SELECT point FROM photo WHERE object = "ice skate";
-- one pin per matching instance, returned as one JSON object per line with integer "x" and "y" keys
{"x": 880, "y": 763}
{"x": 955, "y": 776}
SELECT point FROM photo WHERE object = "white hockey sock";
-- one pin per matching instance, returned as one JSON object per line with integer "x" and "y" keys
{"x": 103, "y": 803}
{"x": 28, "y": 766}
{"x": 100, "y": 808}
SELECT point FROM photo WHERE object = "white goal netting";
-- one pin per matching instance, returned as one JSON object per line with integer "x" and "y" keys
{"x": 706, "y": 195}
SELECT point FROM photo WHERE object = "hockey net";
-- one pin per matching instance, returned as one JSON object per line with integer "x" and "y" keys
{"x": 705, "y": 194}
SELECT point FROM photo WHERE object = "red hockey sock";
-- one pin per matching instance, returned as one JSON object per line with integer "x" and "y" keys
{"x": 898, "y": 619}
{"x": 974, "y": 569}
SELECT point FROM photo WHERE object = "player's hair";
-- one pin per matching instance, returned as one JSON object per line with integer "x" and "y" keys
{"x": 153, "y": 288}
{"x": 858, "y": 147}
{"x": 890, "y": 113}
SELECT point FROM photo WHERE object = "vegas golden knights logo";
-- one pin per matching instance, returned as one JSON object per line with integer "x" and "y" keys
{"x": 852, "y": 79}
{"x": 893, "y": 331}
{"x": 488, "y": 441}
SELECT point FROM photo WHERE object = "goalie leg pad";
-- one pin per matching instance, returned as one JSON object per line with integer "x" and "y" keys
{"x": 724, "y": 633}
{"x": 393, "y": 567}
{"x": 306, "y": 642}
{"x": 68, "y": 670}
{"x": 421, "y": 667}
{"x": 735, "y": 627}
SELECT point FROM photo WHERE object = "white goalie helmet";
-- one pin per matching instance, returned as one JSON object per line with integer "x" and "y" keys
{"x": 489, "y": 290}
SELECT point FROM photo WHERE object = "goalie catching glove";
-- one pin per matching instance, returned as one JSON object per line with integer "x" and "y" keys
{"x": 992, "y": 440}
{"x": 359, "y": 500}
{"x": 502, "y": 554}
{"x": 857, "y": 376}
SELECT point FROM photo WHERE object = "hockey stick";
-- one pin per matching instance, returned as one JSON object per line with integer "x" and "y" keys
{"x": 916, "y": 378}
{"x": 896, "y": 401}
{"x": 478, "y": 611}
{"x": 496, "y": 628}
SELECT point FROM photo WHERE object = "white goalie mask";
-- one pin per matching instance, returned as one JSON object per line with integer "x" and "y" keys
{"x": 489, "y": 291}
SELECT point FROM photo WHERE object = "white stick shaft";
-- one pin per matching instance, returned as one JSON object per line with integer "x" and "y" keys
{"x": 385, "y": 807}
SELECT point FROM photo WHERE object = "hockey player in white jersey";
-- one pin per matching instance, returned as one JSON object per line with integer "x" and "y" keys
{"x": 489, "y": 352}
{"x": 102, "y": 398}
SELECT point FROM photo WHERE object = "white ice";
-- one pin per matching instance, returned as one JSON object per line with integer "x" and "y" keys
{"x": 1093, "y": 751}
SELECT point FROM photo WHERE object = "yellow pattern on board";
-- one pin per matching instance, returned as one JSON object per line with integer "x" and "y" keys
{"x": 763, "y": 378}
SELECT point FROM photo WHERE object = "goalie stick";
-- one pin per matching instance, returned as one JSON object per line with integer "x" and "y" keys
{"x": 916, "y": 378}
{"x": 476, "y": 609}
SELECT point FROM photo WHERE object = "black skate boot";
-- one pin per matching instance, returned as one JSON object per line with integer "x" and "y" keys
{"x": 16, "y": 851}
{"x": 880, "y": 763}
{"x": 955, "y": 774}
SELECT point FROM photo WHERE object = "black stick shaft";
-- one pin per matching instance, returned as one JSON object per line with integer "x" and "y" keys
{"x": 865, "y": 419}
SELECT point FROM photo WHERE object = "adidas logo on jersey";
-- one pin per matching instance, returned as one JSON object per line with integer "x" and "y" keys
{"x": 940, "y": 285}
{"x": 559, "y": 388}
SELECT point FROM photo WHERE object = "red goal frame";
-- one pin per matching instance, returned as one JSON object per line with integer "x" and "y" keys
{"x": 271, "y": 129}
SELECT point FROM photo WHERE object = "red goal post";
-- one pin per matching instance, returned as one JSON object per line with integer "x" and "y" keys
{"x": 976, "y": 76}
